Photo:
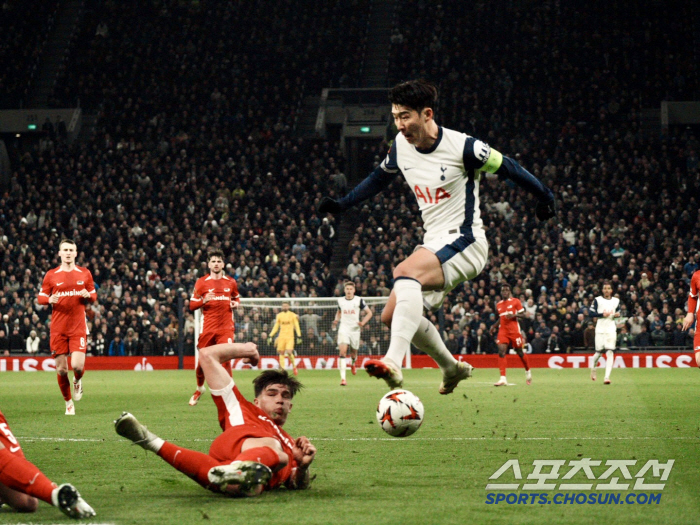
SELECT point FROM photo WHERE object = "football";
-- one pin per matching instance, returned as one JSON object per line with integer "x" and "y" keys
{"x": 400, "y": 413}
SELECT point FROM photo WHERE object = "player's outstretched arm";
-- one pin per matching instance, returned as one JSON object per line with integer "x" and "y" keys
{"x": 375, "y": 183}
{"x": 304, "y": 453}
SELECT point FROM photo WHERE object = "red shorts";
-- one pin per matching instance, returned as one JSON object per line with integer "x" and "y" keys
{"x": 62, "y": 344}
{"x": 8, "y": 440}
{"x": 512, "y": 340}
{"x": 210, "y": 339}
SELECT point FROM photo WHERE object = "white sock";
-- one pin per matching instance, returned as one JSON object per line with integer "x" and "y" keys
{"x": 427, "y": 339}
{"x": 609, "y": 358}
{"x": 342, "y": 365}
{"x": 596, "y": 358}
{"x": 404, "y": 323}
{"x": 202, "y": 388}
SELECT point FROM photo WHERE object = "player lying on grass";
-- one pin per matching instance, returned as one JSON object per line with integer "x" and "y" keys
{"x": 22, "y": 483}
{"x": 253, "y": 453}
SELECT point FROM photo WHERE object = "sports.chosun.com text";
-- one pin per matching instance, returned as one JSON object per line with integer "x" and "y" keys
{"x": 569, "y": 498}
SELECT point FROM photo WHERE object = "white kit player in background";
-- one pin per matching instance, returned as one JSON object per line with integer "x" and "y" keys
{"x": 349, "y": 309}
{"x": 443, "y": 168}
{"x": 606, "y": 309}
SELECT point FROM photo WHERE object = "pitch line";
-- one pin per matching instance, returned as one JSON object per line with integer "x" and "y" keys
{"x": 30, "y": 439}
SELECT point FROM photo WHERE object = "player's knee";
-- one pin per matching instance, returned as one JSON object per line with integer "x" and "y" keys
{"x": 207, "y": 357}
{"x": 62, "y": 370}
{"x": 25, "y": 503}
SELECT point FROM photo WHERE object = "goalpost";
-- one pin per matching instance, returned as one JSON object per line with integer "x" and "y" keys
{"x": 319, "y": 342}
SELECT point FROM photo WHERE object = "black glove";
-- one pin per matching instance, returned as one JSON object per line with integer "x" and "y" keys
{"x": 546, "y": 210}
{"x": 328, "y": 205}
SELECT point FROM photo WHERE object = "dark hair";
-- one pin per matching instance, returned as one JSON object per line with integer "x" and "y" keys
{"x": 276, "y": 377}
{"x": 215, "y": 252}
{"x": 414, "y": 94}
{"x": 505, "y": 285}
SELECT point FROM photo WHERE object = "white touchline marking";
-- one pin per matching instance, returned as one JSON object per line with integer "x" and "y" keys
{"x": 455, "y": 438}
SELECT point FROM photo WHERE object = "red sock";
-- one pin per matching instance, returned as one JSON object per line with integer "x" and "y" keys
{"x": 64, "y": 385}
{"x": 200, "y": 376}
{"x": 264, "y": 455}
{"x": 19, "y": 474}
{"x": 78, "y": 374}
{"x": 194, "y": 464}
{"x": 502, "y": 362}
{"x": 523, "y": 358}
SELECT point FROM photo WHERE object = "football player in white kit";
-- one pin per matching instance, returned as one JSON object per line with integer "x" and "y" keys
{"x": 349, "y": 309}
{"x": 443, "y": 168}
{"x": 606, "y": 308}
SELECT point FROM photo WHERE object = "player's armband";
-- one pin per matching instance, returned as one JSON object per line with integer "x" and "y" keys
{"x": 493, "y": 162}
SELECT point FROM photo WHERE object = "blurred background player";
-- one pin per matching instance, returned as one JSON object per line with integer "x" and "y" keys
{"x": 690, "y": 317}
{"x": 443, "y": 169}
{"x": 253, "y": 453}
{"x": 287, "y": 323}
{"x": 606, "y": 308}
{"x": 349, "y": 309}
{"x": 510, "y": 309}
{"x": 217, "y": 295}
{"x": 22, "y": 483}
{"x": 68, "y": 289}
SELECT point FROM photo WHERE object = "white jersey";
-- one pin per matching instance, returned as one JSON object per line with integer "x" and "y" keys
{"x": 605, "y": 325}
{"x": 350, "y": 312}
{"x": 445, "y": 181}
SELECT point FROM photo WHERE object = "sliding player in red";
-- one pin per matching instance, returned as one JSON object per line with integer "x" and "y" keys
{"x": 510, "y": 309}
{"x": 690, "y": 317}
{"x": 68, "y": 289}
{"x": 253, "y": 453}
{"x": 217, "y": 295}
{"x": 22, "y": 483}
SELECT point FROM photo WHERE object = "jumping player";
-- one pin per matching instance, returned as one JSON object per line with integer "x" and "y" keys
{"x": 510, "y": 309}
{"x": 253, "y": 453}
{"x": 22, "y": 483}
{"x": 287, "y": 322}
{"x": 443, "y": 169}
{"x": 606, "y": 309}
{"x": 217, "y": 295}
{"x": 68, "y": 288}
{"x": 349, "y": 309}
{"x": 693, "y": 312}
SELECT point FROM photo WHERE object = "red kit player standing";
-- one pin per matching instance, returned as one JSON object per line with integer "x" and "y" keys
{"x": 68, "y": 289}
{"x": 217, "y": 295}
{"x": 253, "y": 453}
{"x": 693, "y": 312}
{"x": 509, "y": 336}
{"x": 22, "y": 483}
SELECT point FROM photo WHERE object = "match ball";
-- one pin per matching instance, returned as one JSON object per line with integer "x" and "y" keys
{"x": 400, "y": 413}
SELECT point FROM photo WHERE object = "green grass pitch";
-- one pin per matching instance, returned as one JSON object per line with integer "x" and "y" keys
{"x": 437, "y": 476}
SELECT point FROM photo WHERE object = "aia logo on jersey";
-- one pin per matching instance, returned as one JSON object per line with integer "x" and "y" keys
{"x": 349, "y": 312}
{"x": 427, "y": 197}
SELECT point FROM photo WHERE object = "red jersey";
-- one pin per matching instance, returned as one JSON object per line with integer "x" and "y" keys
{"x": 509, "y": 326}
{"x": 217, "y": 315}
{"x": 694, "y": 290}
{"x": 240, "y": 419}
{"x": 68, "y": 314}
{"x": 7, "y": 439}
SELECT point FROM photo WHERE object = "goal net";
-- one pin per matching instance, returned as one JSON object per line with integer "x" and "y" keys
{"x": 319, "y": 341}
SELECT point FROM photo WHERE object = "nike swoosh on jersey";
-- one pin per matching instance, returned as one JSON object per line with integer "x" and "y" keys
{"x": 59, "y": 284}
{"x": 406, "y": 168}
{"x": 15, "y": 449}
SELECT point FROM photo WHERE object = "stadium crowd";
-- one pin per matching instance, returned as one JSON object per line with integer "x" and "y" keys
{"x": 197, "y": 149}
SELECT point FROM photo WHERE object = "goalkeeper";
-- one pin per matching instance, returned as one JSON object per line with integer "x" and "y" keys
{"x": 287, "y": 322}
{"x": 443, "y": 169}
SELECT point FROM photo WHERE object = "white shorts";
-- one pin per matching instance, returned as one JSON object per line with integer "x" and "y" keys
{"x": 463, "y": 257}
{"x": 605, "y": 341}
{"x": 352, "y": 339}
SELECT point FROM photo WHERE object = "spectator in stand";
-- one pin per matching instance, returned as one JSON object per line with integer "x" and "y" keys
{"x": 116, "y": 347}
{"x": 642, "y": 340}
{"x": 32, "y": 343}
